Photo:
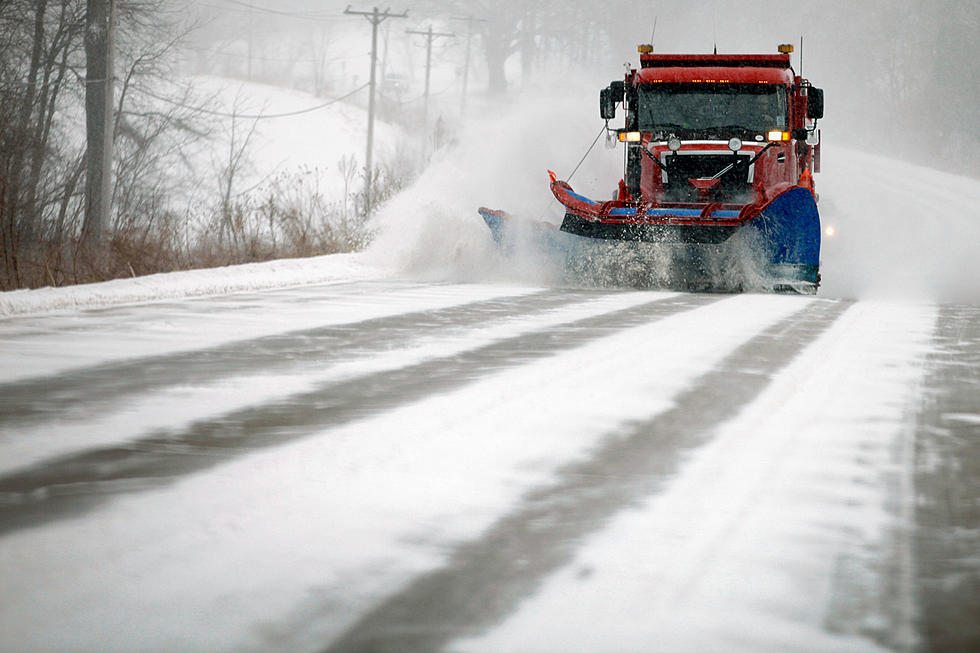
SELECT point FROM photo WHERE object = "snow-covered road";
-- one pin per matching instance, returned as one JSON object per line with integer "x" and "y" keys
{"x": 364, "y": 453}
{"x": 379, "y": 465}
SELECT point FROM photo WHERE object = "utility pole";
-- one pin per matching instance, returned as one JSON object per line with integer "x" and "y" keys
{"x": 249, "y": 45}
{"x": 466, "y": 67}
{"x": 429, "y": 34}
{"x": 374, "y": 17}
{"x": 99, "y": 27}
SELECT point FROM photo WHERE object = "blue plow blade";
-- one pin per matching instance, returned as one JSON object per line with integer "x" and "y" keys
{"x": 784, "y": 238}
{"x": 788, "y": 230}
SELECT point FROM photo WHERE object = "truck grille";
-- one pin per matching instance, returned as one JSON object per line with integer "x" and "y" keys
{"x": 735, "y": 185}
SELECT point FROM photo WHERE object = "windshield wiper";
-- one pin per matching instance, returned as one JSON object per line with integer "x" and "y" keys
{"x": 732, "y": 128}
{"x": 738, "y": 161}
{"x": 665, "y": 127}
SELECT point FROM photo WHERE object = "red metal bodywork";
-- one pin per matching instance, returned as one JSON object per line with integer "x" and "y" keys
{"x": 701, "y": 165}
{"x": 777, "y": 169}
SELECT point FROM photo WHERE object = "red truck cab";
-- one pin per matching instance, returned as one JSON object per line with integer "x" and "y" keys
{"x": 734, "y": 130}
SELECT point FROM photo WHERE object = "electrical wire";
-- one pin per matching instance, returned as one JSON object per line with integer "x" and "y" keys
{"x": 260, "y": 116}
{"x": 245, "y": 8}
{"x": 243, "y": 56}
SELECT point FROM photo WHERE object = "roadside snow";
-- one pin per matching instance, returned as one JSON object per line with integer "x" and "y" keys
{"x": 283, "y": 273}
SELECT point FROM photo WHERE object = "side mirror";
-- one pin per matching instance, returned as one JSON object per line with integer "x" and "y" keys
{"x": 609, "y": 97}
{"x": 814, "y": 103}
{"x": 607, "y": 105}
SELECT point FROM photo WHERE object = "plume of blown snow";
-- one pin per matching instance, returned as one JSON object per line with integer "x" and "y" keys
{"x": 500, "y": 161}
{"x": 899, "y": 231}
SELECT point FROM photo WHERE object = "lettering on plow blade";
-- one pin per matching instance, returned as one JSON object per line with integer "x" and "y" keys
{"x": 485, "y": 579}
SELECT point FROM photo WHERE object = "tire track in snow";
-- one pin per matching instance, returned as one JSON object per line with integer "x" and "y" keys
{"x": 484, "y": 579}
{"x": 90, "y": 390}
{"x": 947, "y": 479}
{"x": 73, "y": 484}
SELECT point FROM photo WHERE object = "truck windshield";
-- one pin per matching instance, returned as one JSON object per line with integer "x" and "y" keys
{"x": 711, "y": 108}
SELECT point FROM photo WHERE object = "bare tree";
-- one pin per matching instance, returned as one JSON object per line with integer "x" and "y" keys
{"x": 43, "y": 169}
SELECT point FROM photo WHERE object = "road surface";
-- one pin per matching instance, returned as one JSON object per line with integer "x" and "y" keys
{"x": 398, "y": 466}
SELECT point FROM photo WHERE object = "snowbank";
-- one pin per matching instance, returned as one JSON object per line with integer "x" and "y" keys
{"x": 192, "y": 283}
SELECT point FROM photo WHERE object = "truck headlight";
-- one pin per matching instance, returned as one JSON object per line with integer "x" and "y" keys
{"x": 674, "y": 144}
{"x": 735, "y": 144}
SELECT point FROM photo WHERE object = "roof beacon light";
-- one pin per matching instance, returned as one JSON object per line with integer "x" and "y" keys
{"x": 785, "y": 48}
{"x": 644, "y": 48}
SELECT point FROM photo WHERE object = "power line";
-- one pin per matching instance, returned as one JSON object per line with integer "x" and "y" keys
{"x": 469, "y": 20}
{"x": 374, "y": 17}
{"x": 261, "y": 116}
{"x": 430, "y": 35}
{"x": 248, "y": 7}
{"x": 238, "y": 55}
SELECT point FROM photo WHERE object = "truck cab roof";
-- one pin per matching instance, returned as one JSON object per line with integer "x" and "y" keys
{"x": 653, "y": 60}
{"x": 715, "y": 68}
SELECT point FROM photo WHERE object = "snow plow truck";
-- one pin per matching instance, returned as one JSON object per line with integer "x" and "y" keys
{"x": 715, "y": 145}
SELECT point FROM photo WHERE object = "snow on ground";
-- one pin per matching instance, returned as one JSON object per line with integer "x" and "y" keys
{"x": 39, "y": 347}
{"x": 193, "y": 283}
{"x": 796, "y": 502}
{"x": 312, "y": 142}
{"x": 190, "y": 403}
{"x": 214, "y": 563}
